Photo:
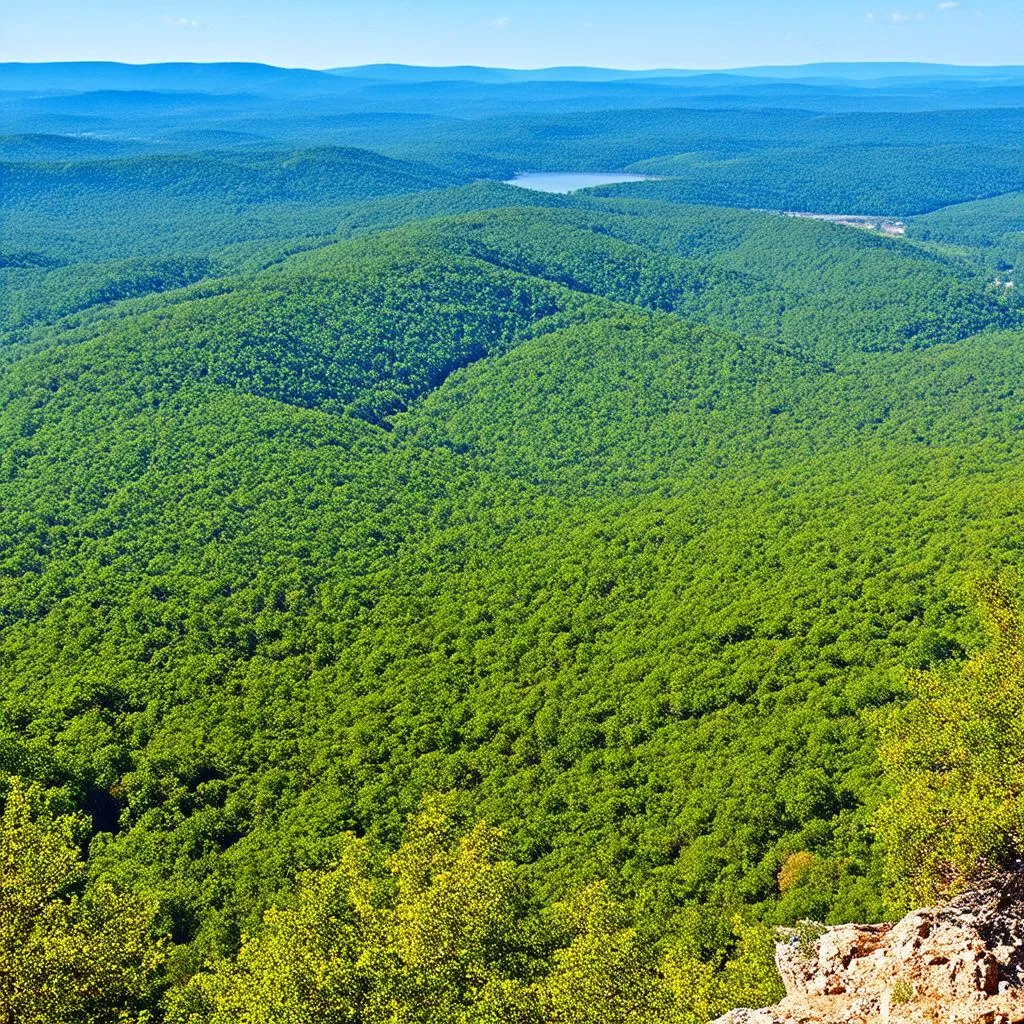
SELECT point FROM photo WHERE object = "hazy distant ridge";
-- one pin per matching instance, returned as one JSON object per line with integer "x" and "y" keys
{"x": 853, "y": 71}
{"x": 233, "y": 77}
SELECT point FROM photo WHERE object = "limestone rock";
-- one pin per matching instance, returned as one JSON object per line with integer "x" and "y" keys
{"x": 958, "y": 964}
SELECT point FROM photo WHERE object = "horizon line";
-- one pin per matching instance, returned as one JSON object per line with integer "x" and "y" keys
{"x": 503, "y": 67}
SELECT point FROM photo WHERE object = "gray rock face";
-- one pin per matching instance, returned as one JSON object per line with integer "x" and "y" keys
{"x": 958, "y": 964}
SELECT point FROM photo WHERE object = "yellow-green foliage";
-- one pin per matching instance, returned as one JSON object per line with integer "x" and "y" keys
{"x": 955, "y": 754}
{"x": 65, "y": 955}
{"x": 432, "y": 934}
{"x": 444, "y": 931}
{"x": 605, "y": 974}
{"x": 701, "y": 990}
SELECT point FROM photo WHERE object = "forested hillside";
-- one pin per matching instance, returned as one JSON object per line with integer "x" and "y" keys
{"x": 423, "y": 598}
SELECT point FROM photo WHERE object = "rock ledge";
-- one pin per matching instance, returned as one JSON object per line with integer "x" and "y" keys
{"x": 958, "y": 964}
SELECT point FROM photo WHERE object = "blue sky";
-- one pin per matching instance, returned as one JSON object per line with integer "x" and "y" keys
{"x": 515, "y": 33}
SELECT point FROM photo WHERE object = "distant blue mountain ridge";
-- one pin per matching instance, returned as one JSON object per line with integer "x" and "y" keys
{"x": 865, "y": 71}
{"x": 234, "y": 77}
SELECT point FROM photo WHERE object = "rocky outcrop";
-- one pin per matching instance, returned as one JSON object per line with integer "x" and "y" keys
{"x": 958, "y": 964}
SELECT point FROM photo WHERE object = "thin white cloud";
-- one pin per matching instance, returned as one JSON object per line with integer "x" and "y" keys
{"x": 906, "y": 17}
{"x": 501, "y": 23}
{"x": 186, "y": 23}
{"x": 947, "y": 5}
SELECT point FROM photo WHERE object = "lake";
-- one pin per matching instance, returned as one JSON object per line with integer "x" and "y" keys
{"x": 570, "y": 181}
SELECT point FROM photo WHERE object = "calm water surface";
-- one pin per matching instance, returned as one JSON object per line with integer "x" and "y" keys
{"x": 569, "y": 181}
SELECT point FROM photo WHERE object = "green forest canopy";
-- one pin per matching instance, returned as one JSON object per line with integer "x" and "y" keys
{"x": 332, "y": 481}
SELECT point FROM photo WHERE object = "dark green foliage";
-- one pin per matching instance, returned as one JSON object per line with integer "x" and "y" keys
{"x": 306, "y": 176}
{"x": 34, "y": 291}
{"x": 391, "y": 212}
{"x": 862, "y": 177}
{"x": 820, "y": 289}
{"x": 989, "y": 231}
{"x": 148, "y": 223}
{"x": 780, "y": 159}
